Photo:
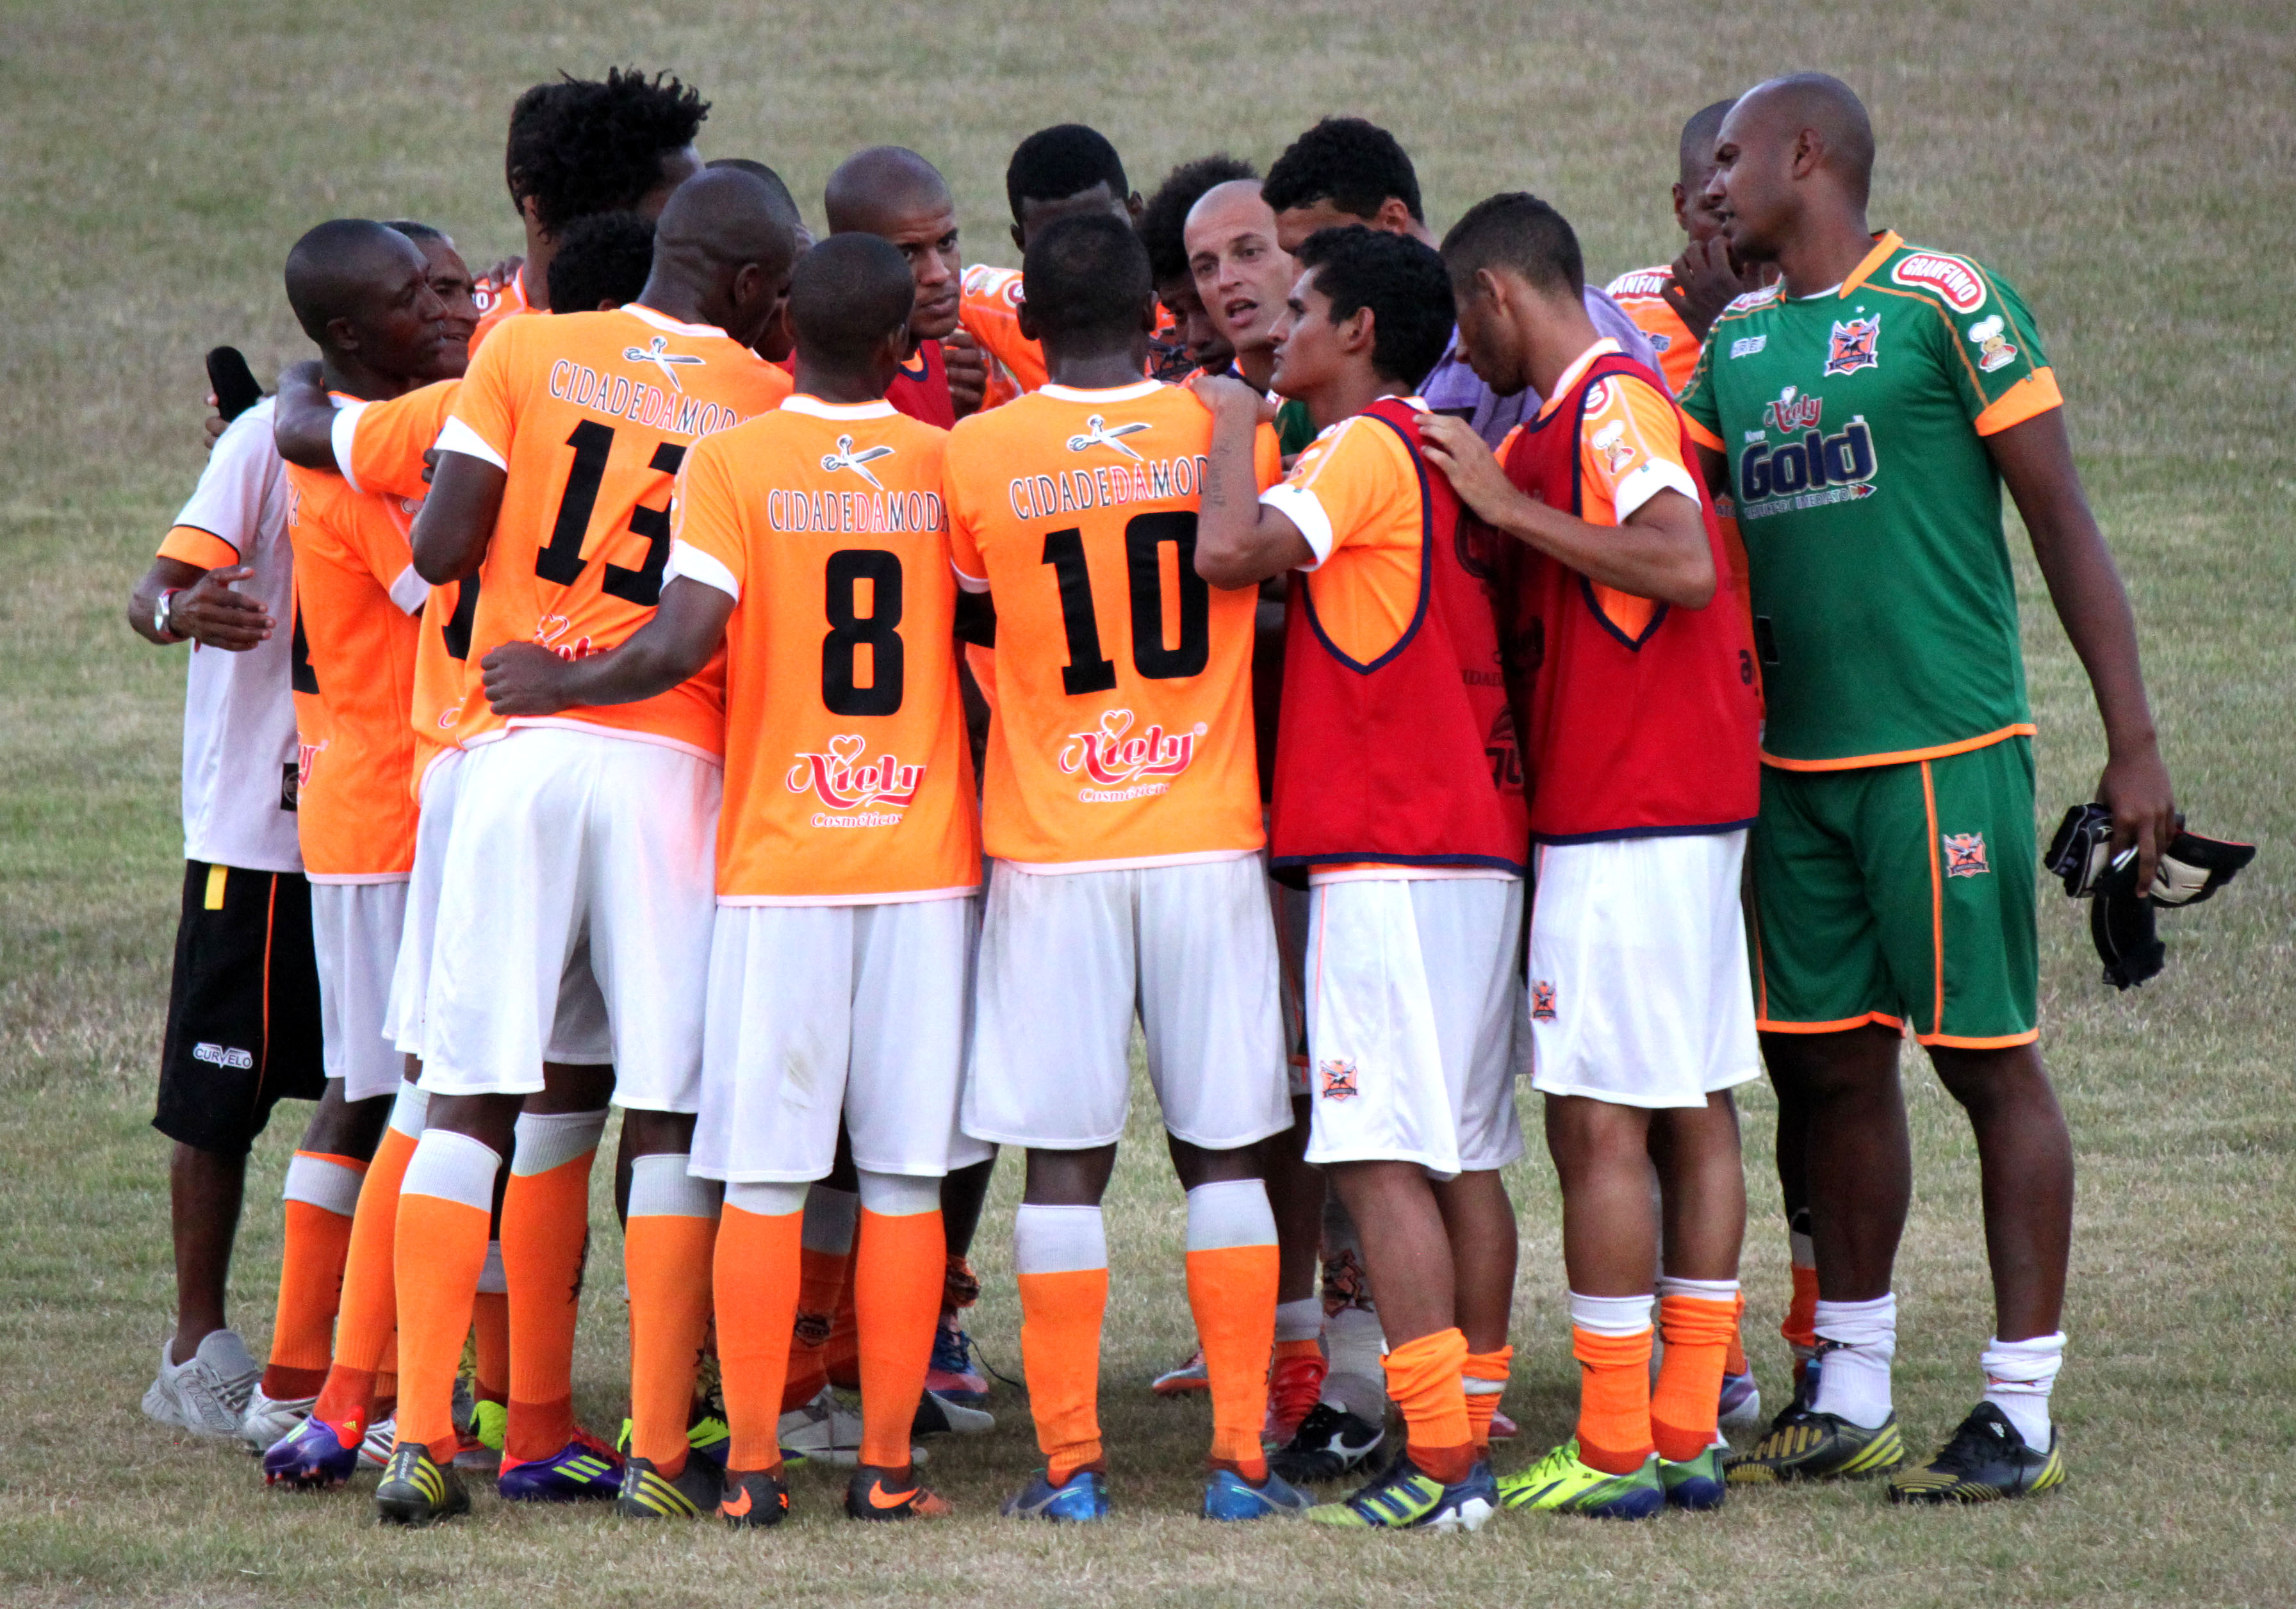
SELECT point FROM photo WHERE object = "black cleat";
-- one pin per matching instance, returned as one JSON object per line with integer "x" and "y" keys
{"x": 876, "y": 1493}
{"x": 415, "y": 1491}
{"x": 754, "y": 1499}
{"x": 648, "y": 1494}
{"x": 1986, "y": 1460}
{"x": 1330, "y": 1443}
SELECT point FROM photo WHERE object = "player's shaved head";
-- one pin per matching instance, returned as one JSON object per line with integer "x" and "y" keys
{"x": 345, "y": 269}
{"x": 723, "y": 249}
{"x": 1778, "y": 111}
{"x": 770, "y": 179}
{"x": 1086, "y": 284}
{"x": 1699, "y": 138}
{"x": 846, "y": 296}
{"x": 873, "y": 187}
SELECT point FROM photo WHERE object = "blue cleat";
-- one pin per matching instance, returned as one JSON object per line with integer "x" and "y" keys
{"x": 1083, "y": 1496}
{"x": 1402, "y": 1497}
{"x": 585, "y": 1469}
{"x": 309, "y": 1457}
{"x": 1229, "y": 1496}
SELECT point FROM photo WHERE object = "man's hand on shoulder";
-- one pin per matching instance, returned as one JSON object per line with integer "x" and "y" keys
{"x": 526, "y": 679}
{"x": 967, "y": 369}
{"x": 1222, "y": 393}
{"x": 1453, "y": 446}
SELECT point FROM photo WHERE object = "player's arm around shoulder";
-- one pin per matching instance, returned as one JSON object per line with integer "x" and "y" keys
{"x": 1240, "y": 541}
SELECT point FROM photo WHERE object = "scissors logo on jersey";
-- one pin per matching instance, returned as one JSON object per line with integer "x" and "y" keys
{"x": 657, "y": 352}
{"x": 1099, "y": 434}
{"x": 1791, "y": 411}
{"x": 1965, "y": 855}
{"x": 1855, "y": 344}
{"x": 1122, "y": 766}
{"x": 862, "y": 792}
{"x": 846, "y": 458}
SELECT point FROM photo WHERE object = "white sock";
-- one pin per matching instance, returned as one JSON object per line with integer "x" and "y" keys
{"x": 1611, "y": 1315}
{"x": 323, "y": 1183}
{"x": 1357, "y": 1381}
{"x": 1853, "y": 1375}
{"x": 2018, "y": 1377}
{"x": 1058, "y": 1240}
{"x": 829, "y": 1218}
{"x": 772, "y": 1198}
{"x": 662, "y": 1187}
{"x": 453, "y": 1167}
{"x": 1301, "y": 1320}
{"x": 1229, "y": 1212}
{"x": 544, "y": 1141}
{"x": 408, "y": 1110}
{"x": 898, "y": 1195}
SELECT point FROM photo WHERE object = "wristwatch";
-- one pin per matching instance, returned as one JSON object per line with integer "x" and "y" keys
{"x": 162, "y": 611}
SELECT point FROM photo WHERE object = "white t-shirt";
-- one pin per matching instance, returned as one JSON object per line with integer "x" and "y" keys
{"x": 239, "y": 709}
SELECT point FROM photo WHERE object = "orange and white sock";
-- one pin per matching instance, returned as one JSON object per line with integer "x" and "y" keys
{"x": 546, "y": 1236}
{"x": 830, "y": 1216}
{"x": 1484, "y": 1379}
{"x": 1425, "y": 1377}
{"x": 368, "y": 1311}
{"x": 668, "y": 1255}
{"x": 1799, "y": 1328}
{"x": 1610, "y": 1337}
{"x": 1698, "y": 1318}
{"x": 754, "y": 1277}
{"x": 900, "y": 1268}
{"x": 322, "y": 1199}
{"x": 444, "y": 1207}
{"x": 1233, "y": 1271}
{"x": 1060, "y": 1255}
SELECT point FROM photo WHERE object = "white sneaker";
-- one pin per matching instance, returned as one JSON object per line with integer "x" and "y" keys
{"x": 374, "y": 1451}
{"x": 937, "y": 1416}
{"x": 825, "y": 1430}
{"x": 207, "y": 1394}
{"x": 268, "y": 1418}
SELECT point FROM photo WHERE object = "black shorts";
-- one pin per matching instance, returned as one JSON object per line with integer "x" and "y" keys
{"x": 242, "y": 1007}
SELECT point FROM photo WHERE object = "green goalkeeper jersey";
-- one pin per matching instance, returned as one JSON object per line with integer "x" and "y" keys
{"x": 1885, "y": 615}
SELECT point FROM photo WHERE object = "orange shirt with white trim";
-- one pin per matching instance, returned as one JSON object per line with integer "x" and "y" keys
{"x": 506, "y": 301}
{"x": 1641, "y": 296}
{"x": 989, "y": 309}
{"x": 849, "y": 779}
{"x": 1122, "y": 732}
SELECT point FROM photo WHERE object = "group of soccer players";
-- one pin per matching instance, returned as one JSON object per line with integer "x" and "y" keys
{"x": 817, "y": 696}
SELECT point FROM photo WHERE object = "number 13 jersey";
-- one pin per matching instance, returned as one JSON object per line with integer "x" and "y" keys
{"x": 1122, "y": 734}
{"x": 591, "y": 414}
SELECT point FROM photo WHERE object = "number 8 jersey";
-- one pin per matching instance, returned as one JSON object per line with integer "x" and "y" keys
{"x": 1122, "y": 734}
{"x": 590, "y": 414}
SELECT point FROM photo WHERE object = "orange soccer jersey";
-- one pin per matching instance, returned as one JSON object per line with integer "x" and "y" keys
{"x": 849, "y": 779}
{"x": 991, "y": 310}
{"x": 591, "y": 414}
{"x": 1122, "y": 734}
{"x": 1642, "y": 296}
{"x": 503, "y": 301}
{"x": 356, "y": 596}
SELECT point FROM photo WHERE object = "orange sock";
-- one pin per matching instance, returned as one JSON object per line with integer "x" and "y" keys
{"x": 1424, "y": 1377}
{"x": 1060, "y": 1255}
{"x": 1485, "y": 1378}
{"x": 321, "y": 1199}
{"x": 1801, "y": 1327}
{"x": 830, "y": 1216}
{"x": 1734, "y": 1357}
{"x": 490, "y": 1329}
{"x": 667, "y": 1257}
{"x": 1285, "y": 1350}
{"x": 1614, "y": 1396}
{"x": 898, "y": 1263}
{"x": 444, "y": 1206}
{"x": 386, "y": 1377}
{"x": 755, "y": 1279}
{"x": 1698, "y": 1331}
{"x": 545, "y": 1238}
{"x": 1233, "y": 1273}
{"x": 368, "y": 1311}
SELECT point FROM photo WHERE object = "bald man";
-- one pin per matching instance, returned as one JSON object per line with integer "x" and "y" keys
{"x": 1243, "y": 277}
{"x": 1864, "y": 413}
{"x": 892, "y": 192}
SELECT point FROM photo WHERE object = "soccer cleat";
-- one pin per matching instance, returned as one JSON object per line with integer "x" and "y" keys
{"x": 482, "y": 1446}
{"x": 585, "y": 1469}
{"x": 825, "y": 1430}
{"x": 754, "y": 1499}
{"x": 1229, "y": 1496}
{"x": 1178, "y": 1382}
{"x": 375, "y": 1447}
{"x": 265, "y": 1420}
{"x": 1329, "y": 1443}
{"x": 951, "y": 1376}
{"x": 1740, "y": 1405}
{"x": 415, "y": 1491}
{"x": 1294, "y": 1386}
{"x": 1561, "y": 1483}
{"x": 648, "y": 1494}
{"x": 1695, "y": 1483}
{"x": 309, "y": 1457}
{"x": 1403, "y": 1497}
{"x": 1806, "y": 1445}
{"x": 938, "y": 1416}
{"x": 1083, "y": 1496}
{"x": 209, "y": 1391}
{"x": 892, "y": 1494}
{"x": 1504, "y": 1429}
{"x": 1987, "y": 1460}
{"x": 708, "y": 1433}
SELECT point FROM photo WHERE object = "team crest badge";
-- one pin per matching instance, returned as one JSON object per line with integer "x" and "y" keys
{"x": 1993, "y": 348}
{"x": 1339, "y": 1079}
{"x": 1965, "y": 855}
{"x": 1854, "y": 345}
{"x": 1542, "y": 1000}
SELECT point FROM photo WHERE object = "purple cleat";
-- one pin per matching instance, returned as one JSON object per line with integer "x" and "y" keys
{"x": 585, "y": 1469}
{"x": 309, "y": 1457}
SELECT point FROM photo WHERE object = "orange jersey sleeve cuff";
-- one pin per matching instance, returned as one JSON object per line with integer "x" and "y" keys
{"x": 2037, "y": 392}
{"x": 201, "y": 549}
{"x": 1706, "y": 438}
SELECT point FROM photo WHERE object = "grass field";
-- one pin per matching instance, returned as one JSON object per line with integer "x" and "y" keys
{"x": 2127, "y": 165}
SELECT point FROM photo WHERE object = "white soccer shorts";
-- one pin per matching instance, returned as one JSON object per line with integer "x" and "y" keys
{"x": 1066, "y": 960}
{"x": 1639, "y": 989}
{"x": 563, "y": 837}
{"x": 818, "y": 1011}
{"x": 354, "y": 933}
{"x": 1414, "y": 1003}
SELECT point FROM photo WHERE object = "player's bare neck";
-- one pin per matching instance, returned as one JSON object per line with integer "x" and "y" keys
{"x": 1097, "y": 368}
{"x": 1349, "y": 393}
{"x": 1827, "y": 244}
{"x": 673, "y": 298}
{"x": 339, "y": 371}
{"x": 833, "y": 386}
{"x": 1559, "y": 337}
{"x": 1257, "y": 365}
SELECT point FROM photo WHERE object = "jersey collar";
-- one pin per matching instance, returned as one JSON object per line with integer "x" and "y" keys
{"x": 1131, "y": 392}
{"x": 668, "y": 325}
{"x": 1603, "y": 347}
{"x": 1885, "y": 244}
{"x": 798, "y": 402}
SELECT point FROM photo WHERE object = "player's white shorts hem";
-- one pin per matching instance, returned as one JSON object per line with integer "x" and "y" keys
{"x": 564, "y": 837}
{"x": 1414, "y": 1005}
{"x": 1640, "y": 993}
{"x": 822, "y": 1012}
{"x": 1065, "y": 963}
{"x": 354, "y": 933}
